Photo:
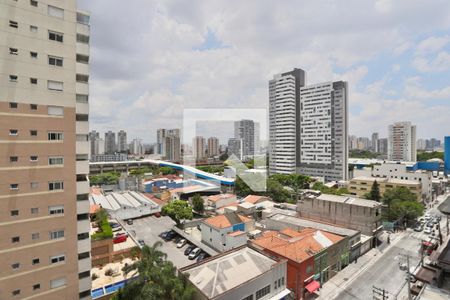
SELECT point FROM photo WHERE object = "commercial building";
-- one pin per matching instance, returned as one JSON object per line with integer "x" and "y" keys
{"x": 354, "y": 213}
{"x": 44, "y": 207}
{"x": 235, "y": 148}
{"x": 362, "y": 185}
{"x": 213, "y": 146}
{"x": 248, "y": 132}
{"x": 323, "y": 131}
{"x": 122, "y": 145}
{"x": 313, "y": 255}
{"x": 110, "y": 142}
{"x": 447, "y": 155}
{"x": 284, "y": 120}
{"x": 402, "y": 142}
{"x": 400, "y": 171}
{"x": 227, "y": 231}
{"x": 242, "y": 273}
{"x": 199, "y": 147}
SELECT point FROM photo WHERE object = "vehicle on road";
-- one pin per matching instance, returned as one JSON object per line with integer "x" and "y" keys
{"x": 181, "y": 243}
{"x": 189, "y": 249}
{"x": 194, "y": 253}
{"x": 427, "y": 230}
{"x": 120, "y": 239}
{"x": 114, "y": 225}
{"x": 117, "y": 228}
{"x": 418, "y": 228}
{"x": 202, "y": 256}
{"x": 141, "y": 243}
{"x": 120, "y": 233}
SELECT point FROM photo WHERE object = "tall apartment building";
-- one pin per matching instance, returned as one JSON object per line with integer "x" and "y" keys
{"x": 324, "y": 131}
{"x": 44, "y": 207}
{"x": 199, "y": 147}
{"x": 383, "y": 146}
{"x": 172, "y": 148}
{"x": 248, "y": 132}
{"x": 94, "y": 138}
{"x": 213, "y": 146}
{"x": 375, "y": 139}
{"x": 402, "y": 142}
{"x": 160, "y": 135}
{"x": 136, "y": 147}
{"x": 235, "y": 147}
{"x": 110, "y": 142}
{"x": 284, "y": 109}
{"x": 122, "y": 145}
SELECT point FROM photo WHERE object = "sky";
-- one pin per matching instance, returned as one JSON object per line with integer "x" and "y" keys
{"x": 153, "y": 61}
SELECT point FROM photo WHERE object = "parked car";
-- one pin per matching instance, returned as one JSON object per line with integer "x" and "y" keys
{"x": 170, "y": 236}
{"x": 194, "y": 253}
{"x": 130, "y": 222}
{"x": 163, "y": 234}
{"x": 117, "y": 229}
{"x": 114, "y": 225}
{"x": 181, "y": 243}
{"x": 418, "y": 228}
{"x": 141, "y": 243}
{"x": 427, "y": 230}
{"x": 157, "y": 214}
{"x": 120, "y": 239}
{"x": 189, "y": 249}
{"x": 202, "y": 256}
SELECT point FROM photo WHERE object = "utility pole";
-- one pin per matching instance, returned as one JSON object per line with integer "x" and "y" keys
{"x": 379, "y": 292}
{"x": 408, "y": 275}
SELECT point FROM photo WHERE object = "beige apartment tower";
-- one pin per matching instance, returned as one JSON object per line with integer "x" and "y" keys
{"x": 44, "y": 207}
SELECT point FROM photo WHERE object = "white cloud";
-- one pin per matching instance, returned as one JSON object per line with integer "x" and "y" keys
{"x": 432, "y": 44}
{"x": 440, "y": 63}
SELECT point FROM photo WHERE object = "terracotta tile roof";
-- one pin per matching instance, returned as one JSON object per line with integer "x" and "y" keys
{"x": 226, "y": 220}
{"x": 215, "y": 198}
{"x": 186, "y": 189}
{"x": 93, "y": 208}
{"x": 96, "y": 190}
{"x": 155, "y": 199}
{"x": 236, "y": 233}
{"x": 253, "y": 198}
{"x": 297, "y": 246}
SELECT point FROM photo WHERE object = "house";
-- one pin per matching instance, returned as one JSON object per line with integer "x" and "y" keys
{"x": 242, "y": 273}
{"x": 254, "y": 199}
{"x": 227, "y": 231}
{"x": 313, "y": 256}
{"x": 221, "y": 200}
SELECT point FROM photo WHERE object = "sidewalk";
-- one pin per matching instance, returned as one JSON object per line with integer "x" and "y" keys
{"x": 333, "y": 287}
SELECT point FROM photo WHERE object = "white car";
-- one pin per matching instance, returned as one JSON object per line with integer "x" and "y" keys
{"x": 181, "y": 243}
{"x": 194, "y": 253}
{"x": 427, "y": 230}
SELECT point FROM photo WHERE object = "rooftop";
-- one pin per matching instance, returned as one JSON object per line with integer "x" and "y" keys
{"x": 222, "y": 273}
{"x": 253, "y": 198}
{"x": 349, "y": 200}
{"x": 386, "y": 180}
{"x": 226, "y": 220}
{"x": 215, "y": 198}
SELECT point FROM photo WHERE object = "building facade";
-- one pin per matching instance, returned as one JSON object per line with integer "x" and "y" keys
{"x": 248, "y": 132}
{"x": 402, "y": 142}
{"x": 199, "y": 147}
{"x": 110, "y": 142}
{"x": 122, "y": 145}
{"x": 94, "y": 138}
{"x": 383, "y": 146}
{"x": 44, "y": 212}
{"x": 284, "y": 110}
{"x": 324, "y": 131}
{"x": 235, "y": 148}
{"x": 136, "y": 147}
{"x": 213, "y": 146}
{"x": 362, "y": 185}
{"x": 375, "y": 139}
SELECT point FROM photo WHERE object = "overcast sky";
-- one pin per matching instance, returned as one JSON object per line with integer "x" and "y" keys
{"x": 151, "y": 60}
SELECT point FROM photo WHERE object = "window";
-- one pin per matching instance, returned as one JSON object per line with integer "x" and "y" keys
{"x": 56, "y": 283}
{"x": 55, "y": 85}
{"x": 33, "y": 28}
{"x": 84, "y": 59}
{"x": 13, "y": 78}
{"x": 33, "y": 158}
{"x": 56, "y": 185}
{"x": 34, "y": 210}
{"x": 55, "y": 110}
{"x": 55, "y": 61}
{"x": 82, "y": 78}
{"x": 84, "y": 274}
{"x": 15, "y": 239}
{"x": 81, "y": 38}
{"x": 16, "y": 292}
{"x": 33, "y": 80}
{"x": 35, "y": 236}
{"x": 36, "y": 286}
{"x": 83, "y": 236}
{"x": 83, "y": 19}
{"x": 262, "y": 292}
{"x": 15, "y": 266}
{"x": 57, "y": 259}
{"x": 13, "y": 24}
{"x": 82, "y": 157}
{"x": 12, "y": 104}
{"x": 56, "y": 12}
{"x": 56, "y": 234}
{"x": 82, "y": 117}
{"x": 14, "y": 213}
{"x": 55, "y": 36}
{"x": 55, "y": 160}
{"x": 14, "y": 186}
{"x": 82, "y": 217}
{"x": 33, "y": 106}
{"x": 34, "y": 185}
{"x": 13, "y": 51}
{"x": 35, "y": 261}
{"x": 82, "y": 98}
{"x": 83, "y": 255}
{"x": 13, "y": 132}
{"x": 33, "y": 3}
{"x": 13, "y": 159}
{"x": 33, "y": 54}
{"x": 82, "y": 137}
{"x": 82, "y": 197}
{"x": 86, "y": 293}
{"x": 54, "y": 210}
{"x": 249, "y": 297}
{"x": 33, "y": 132}
{"x": 55, "y": 136}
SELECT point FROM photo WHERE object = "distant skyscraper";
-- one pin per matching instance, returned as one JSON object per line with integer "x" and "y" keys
{"x": 284, "y": 119}
{"x": 198, "y": 147}
{"x": 213, "y": 146}
{"x": 421, "y": 144}
{"x": 383, "y": 146}
{"x": 94, "y": 138}
{"x": 248, "y": 132}
{"x": 235, "y": 147}
{"x": 122, "y": 145}
{"x": 110, "y": 142}
{"x": 172, "y": 147}
{"x": 363, "y": 143}
{"x": 324, "y": 131}
{"x": 136, "y": 147}
{"x": 402, "y": 142}
{"x": 160, "y": 135}
{"x": 375, "y": 138}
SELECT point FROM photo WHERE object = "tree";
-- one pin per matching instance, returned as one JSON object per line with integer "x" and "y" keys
{"x": 178, "y": 210}
{"x": 402, "y": 204}
{"x": 104, "y": 178}
{"x": 157, "y": 278}
{"x": 276, "y": 191}
{"x": 375, "y": 192}
{"x": 424, "y": 156}
{"x": 406, "y": 211}
{"x": 197, "y": 203}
